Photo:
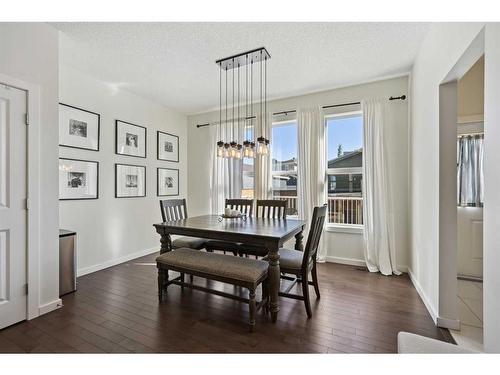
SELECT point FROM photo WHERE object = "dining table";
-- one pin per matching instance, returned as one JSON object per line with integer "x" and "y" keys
{"x": 270, "y": 233}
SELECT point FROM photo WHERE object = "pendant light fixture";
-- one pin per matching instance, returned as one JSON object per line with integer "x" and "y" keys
{"x": 229, "y": 145}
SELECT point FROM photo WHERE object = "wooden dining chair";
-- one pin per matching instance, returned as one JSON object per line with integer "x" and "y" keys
{"x": 245, "y": 206}
{"x": 301, "y": 264}
{"x": 176, "y": 209}
{"x": 266, "y": 208}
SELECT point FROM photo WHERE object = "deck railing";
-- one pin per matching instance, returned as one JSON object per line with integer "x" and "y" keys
{"x": 341, "y": 210}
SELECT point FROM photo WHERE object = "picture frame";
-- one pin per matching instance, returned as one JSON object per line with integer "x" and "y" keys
{"x": 167, "y": 146}
{"x": 78, "y": 179}
{"x": 79, "y": 128}
{"x": 130, "y": 139}
{"x": 130, "y": 181}
{"x": 167, "y": 182}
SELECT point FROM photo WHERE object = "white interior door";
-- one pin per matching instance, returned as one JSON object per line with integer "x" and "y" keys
{"x": 13, "y": 214}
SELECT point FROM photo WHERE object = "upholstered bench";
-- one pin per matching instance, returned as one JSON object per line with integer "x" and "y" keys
{"x": 244, "y": 272}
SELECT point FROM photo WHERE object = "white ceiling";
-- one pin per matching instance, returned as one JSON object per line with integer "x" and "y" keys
{"x": 174, "y": 63}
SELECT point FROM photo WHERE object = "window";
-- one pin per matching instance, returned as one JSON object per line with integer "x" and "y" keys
{"x": 344, "y": 132}
{"x": 247, "y": 191}
{"x": 284, "y": 163}
{"x": 470, "y": 176}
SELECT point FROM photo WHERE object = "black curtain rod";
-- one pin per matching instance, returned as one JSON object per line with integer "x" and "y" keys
{"x": 402, "y": 97}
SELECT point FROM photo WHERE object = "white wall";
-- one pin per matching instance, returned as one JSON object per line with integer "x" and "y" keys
{"x": 441, "y": 49}
{"x": 345, "y": 247}
{"x": 491, "y": 249}
{"x": 112, "y": 230}
{"x": 29, "y": 52}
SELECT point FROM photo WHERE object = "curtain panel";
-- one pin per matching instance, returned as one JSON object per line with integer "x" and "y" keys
{"x": 311, "y": 176}
{"x": 470, "y": 176}
{"x": 378, "y": 231}
{"x": 226, "y": 177}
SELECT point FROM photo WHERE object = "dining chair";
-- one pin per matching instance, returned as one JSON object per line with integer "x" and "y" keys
{"x": 176, "y": 209}
{"x": 301, "y": 264}
{"x": 245, "y": 206}
{"x": 266, "y": 208}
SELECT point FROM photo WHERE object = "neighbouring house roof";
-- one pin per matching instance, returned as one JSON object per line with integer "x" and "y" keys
{"x": 350, "y": 159}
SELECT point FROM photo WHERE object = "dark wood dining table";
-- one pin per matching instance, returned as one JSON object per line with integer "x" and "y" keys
{"x": 269, "y": 233}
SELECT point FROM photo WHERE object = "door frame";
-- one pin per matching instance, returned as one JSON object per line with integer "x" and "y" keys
{"x": 33, "y": 190}
{"x": 447, "y": 314}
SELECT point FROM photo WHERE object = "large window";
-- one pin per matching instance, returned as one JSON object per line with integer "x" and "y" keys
{"x": 345, "y": 160}
{"x": 284, "y": 163}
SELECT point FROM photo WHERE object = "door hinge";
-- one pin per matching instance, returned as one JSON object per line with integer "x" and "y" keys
{"x": 27, "y": 118}
{"x": 27, "y": 204}
{"x": 26, "y": 289}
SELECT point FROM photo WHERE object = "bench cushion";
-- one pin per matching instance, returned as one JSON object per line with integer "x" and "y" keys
{"x": 189, "y": 242}
{"x": 220, "y": 265}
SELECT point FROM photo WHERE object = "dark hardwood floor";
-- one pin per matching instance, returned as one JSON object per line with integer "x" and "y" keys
{"x": 116, "y": 311}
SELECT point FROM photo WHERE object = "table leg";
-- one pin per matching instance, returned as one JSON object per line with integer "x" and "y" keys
{"x": 298, "y": 241}
{"x": 166, "y": 243}
{"x": 274, "y": 281}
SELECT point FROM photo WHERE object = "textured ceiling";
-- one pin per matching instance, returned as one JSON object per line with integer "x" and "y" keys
{"x": 174, "y": 63}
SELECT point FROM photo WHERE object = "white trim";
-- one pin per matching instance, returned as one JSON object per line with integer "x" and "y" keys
{"x": 346, "y": 228}
{"x": 423, "y": 296}
{"x": 348, "y": 261}
{"x": 51, "y": 306}
{"x": 114, "y": 262}
{"x": 448, "y": 323}
{"x": 33, "y": 191}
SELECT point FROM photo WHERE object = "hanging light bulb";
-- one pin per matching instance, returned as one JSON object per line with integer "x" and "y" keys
{"x": 220, "y": 149}
{"x": 252, "y": 150}
{"x": 226, "y": 150}
{"x": 239, "y": 152}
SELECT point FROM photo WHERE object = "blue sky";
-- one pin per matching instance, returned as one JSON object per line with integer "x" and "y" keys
{"x": 347, "y": 131}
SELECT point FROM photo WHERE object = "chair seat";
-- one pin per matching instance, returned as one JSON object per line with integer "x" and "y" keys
{"x": 212, "y": 245}
{"x": 290, "y": 259}
{"x": 189, "y": 242}
{"x": 249, "y": 249}
{"x": 218, "y": 265}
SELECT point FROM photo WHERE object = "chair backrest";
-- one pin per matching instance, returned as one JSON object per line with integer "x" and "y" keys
{"x": 245, "y": 206}
{"x": 315, "y": 231}
{"x": 271, "y": 208}
{"x": 173, "y": 209}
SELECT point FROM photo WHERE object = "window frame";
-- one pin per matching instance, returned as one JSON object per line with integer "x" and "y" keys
{"x": 339, "y": 227}
{"x": 278, "y": 123}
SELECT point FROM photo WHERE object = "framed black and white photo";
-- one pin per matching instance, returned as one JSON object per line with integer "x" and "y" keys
{"x": 78, "y": 128}
{"x": 168, "y": 146}
{"x": 130, "y": 139}
{"x": 130, "y": 181}
{"x": 78, "y": 179}
{"x": 168, "y": 182}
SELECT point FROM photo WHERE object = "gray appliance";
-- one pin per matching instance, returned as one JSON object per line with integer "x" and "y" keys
{"x": 67, "y": 261}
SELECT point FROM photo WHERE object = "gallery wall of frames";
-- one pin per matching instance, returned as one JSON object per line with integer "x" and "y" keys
{"x": 119, "y": 154}
{"x": 79, "y": 179}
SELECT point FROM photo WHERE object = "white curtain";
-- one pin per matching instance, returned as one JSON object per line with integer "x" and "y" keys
{"x": 378, "y": 232}
{"x": 311, "y": 165}
{"x": 263, "y": 178}
{"x": 226, "y": 178}
{"x": 470, "y": 175}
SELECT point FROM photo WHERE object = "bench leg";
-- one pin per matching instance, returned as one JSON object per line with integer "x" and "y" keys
{"x": 162, "y": 281}
{"x": 252, "y": 308}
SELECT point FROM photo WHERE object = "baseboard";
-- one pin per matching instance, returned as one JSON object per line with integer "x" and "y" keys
{"x": 348, "y": 261}
{"x": 114, "y": 262}
{"x": 423, "y": 296}
{"x": 448, "y": 323}
{"x": 51, "y": 306}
